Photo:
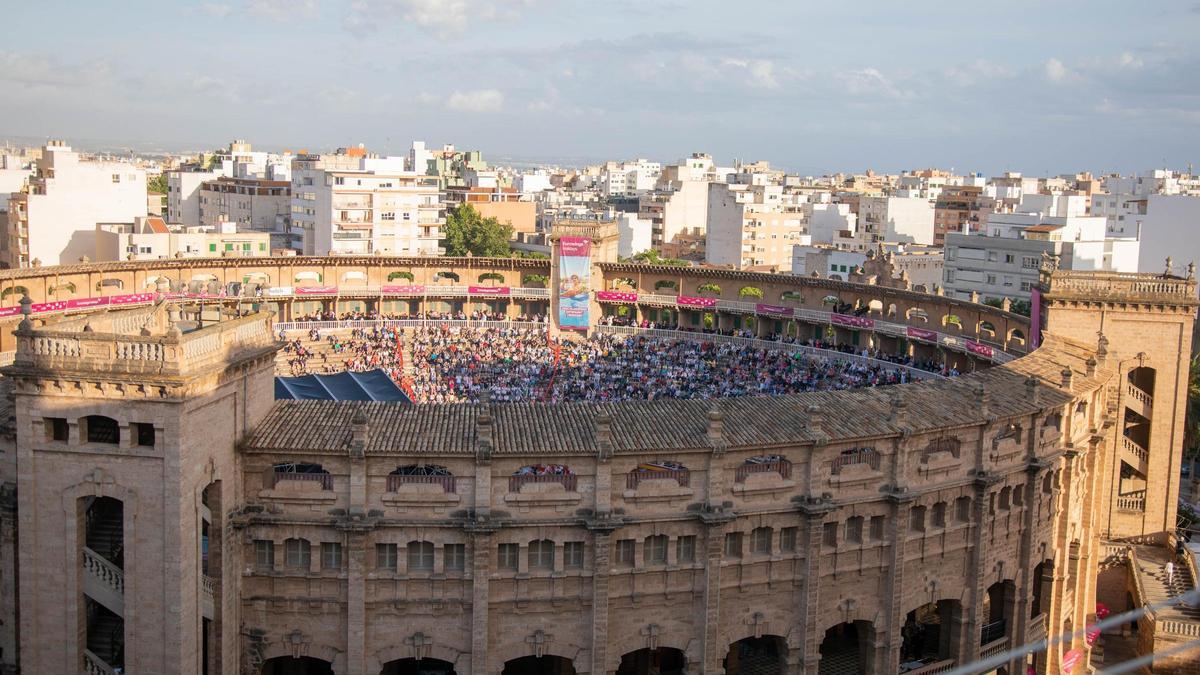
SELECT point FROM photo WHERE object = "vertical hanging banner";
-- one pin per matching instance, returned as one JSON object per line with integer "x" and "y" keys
{"x": 574, "y": 277}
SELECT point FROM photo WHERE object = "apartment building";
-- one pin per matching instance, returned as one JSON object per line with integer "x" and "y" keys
{"x": 354, "y": 203}
{"x": 183, "y": 195}
{"x": 152, "y": 239}
{"x": 506, "y": 205}
{"x": 54, "y": 219}
{"x": 896, "y": 219}
{"x": 752, "y": 226}
{"x": 1004, "y": 261}
{"x": 1155, "y": 205}
{"x": 629, "y": 179}
{"x": 920, "y": 265}
{"x": 254, "y": 204}
{"x": 828, "y": 221}
{"x": 960, "y": 208}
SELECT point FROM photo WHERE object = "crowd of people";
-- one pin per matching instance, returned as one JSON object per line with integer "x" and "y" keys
{"x": 459, "y": 364}
{"x": 511, "y": 364}
{"x": 476, "y": 315}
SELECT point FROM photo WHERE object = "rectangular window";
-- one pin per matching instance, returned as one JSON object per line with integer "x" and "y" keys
{"x": 228, "y": 247}
{"x": 297, "y": 553}
{"x": 854, "y": 530}
{"x": 655, "y": 550}
{"x": 760, "y": 540}
{"x": 454, "y": 557}
{"x": 829, "y": 534}
{"x": 962, "y": 509}
{"x": 116, "y": 178}
{"x": 685, "y": 549}
{"x": 331, "y": 555}
{"x": 625, "y": 552}
{"x": 57, "y": 429}
{"x": 541, "y": 555}
{"x": 264, "y": 554}
{"x": 385, "y": 557}
{"x": 509, "y": 555}
{"x": 143, "y": 434}
{"x": 1009, "y": 258}
{"x": 876, "y": 528}
{"x": 939, "y": 514}
{"x": 573, "y": 555}
{"x": 262, "y": 246}
{"x": 1018, "y": 495}
{"x": 787, "y": 540}
{"x": 733, "y": 545}
{"x": 917, "y": 519}
{"x": 420, "y": 556}
{"x": 212, "y": 248}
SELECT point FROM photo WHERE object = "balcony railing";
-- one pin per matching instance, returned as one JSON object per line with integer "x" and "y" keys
{"x": 783, "y": 467}
{"x": 94, "y": 665}
{"x": 1135, "y": 392}
{"x": 680, "y": 476}
{"x": 990, "y": 649}
{"x": 993, "y": 631}
{"x": 866, "y": 456}
{"x": 1134, "y": 448}
{"x": 109, "y": 574}
{"x": 943, "y": 666}
{"x": 449, "y": 484}
{"x": 325, "y": 480}
{"x": 1132, "y": 501}
{"x": 567, "y": 480}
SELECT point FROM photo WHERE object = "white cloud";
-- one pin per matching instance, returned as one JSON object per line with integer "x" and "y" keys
{"x": 426, "y": 98}
{"x": 1128, "y": 60}
{"x": 216, "y": 9}
{"x": 1055, "y": 70}
{"x": 871, "y": 82}
{"x": 759, "y": 72}
{"x": 476, "y": 101}
{"x": 445, "y": 18}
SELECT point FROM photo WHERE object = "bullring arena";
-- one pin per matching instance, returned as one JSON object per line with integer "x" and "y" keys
{"x": 1022, "y": 478}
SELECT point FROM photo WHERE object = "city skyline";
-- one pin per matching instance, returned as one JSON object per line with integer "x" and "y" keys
{"x": 813, "y": 89}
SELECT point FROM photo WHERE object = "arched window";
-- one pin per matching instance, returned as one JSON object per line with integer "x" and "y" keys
{"x": 541, "y": 554}
{"x": 952, "y": 320}
{"x": 875, "y": 306}
{"x": 425, "y": 474}
{"x": 750, "y": 292}
{"x": 297, "y": 553}
{"x": 654, "y": 550}
{"x": 101, "y": 429}
{"x": 420, "y": 556}
{"x": 1017, "y": 336}
{"x": 400, "y": 274}
{"x": 791, "y": 296}
{"x": 916, "y": 314}
{"x": 665, "y": 284}
{"x": 446, "y": 274}
{"x": 491, "y": 276}
{"x": 987, "y": 328}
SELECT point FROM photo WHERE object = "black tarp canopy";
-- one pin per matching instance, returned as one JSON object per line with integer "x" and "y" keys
{"x": 373, "y": 385}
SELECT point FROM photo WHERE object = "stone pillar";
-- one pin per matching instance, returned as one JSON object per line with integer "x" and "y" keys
{"x": 901, "y": 508}
{"x": 601, "y": 564}
{"x": 602, "y": 493}
{"x": 356, "y": 604}
{"x": 481, "y": 572}
{"x": 979, "y": 573}
{"x": 714, "y": 540}
{"x": 810, "y": 597}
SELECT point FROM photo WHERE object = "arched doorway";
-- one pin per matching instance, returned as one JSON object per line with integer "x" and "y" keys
{"x": 539, "y": 665}
{"x": 766, "y": 655}
{"x": 845, "y": 648}
{"x": 660, "y": 661}
{"x": 304, "y": 665}
{"x": 418, "y": 667}
{"x": 930, "y": 633}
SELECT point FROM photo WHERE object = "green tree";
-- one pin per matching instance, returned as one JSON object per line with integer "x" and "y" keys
{"x": 652, "y": 257}
{"x": 1017, "y": 307}
{"x": 468, "y": 232}
{"x": 750, "y": 292}
{"x": 157, "y": 184}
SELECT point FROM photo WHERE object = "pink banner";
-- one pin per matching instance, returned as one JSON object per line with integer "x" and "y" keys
{"x": 688, "y": 301}
{"x": 616, "y": 296}
{"x": 774, "y": 309}
{"x": 131, "y": 299}
{"x": 1035, "y": 318}
{"x": 851, "y": 321}
{"x": 980, "y": 349}
{"x": 921, "y": 334}
{"x": 1071, "y": 659}
{"x": 487, "y": 290}
{"x": 10, "y": 311}
{"x": 316, "y": 290}
{"x": 405, "y": 290}
{"x": 49, "y": 306}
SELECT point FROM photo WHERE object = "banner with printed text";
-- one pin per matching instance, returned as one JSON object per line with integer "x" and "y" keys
{"x": 574, "y": 278}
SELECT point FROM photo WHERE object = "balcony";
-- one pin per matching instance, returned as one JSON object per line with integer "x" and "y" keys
{"x": 1132, "y": 502}
{"x": 285, "y": 478}
{"x": 1143, "y": 401}
{"x": 682, "y": 477}
{"x": 208, "y": 587}
{"x": 94, "y": 665}
{"x": 779, "y": 466}
{"x": 567, "y": 480}
{"x": 448, "y": 484}
{"x": 943, "y": 666}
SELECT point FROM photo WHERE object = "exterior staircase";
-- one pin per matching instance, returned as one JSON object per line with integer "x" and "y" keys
{"x": 105, "y": 642}
{"x": 1134, "y": 455}
{"x": 105, "y": 535}
{"x": 1152, "y": 579}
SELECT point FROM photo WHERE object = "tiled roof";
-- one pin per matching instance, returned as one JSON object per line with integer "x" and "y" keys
{"x": 570, "y": 428}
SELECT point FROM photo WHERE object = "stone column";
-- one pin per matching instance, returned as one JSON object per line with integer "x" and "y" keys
{"x": 482, "y": 543}
{"x": 601, "y": 564}
{"x": 810, "y": 597}
{"x": 356, "y": 607}
{"x": 901, "y": 508}
{"x": 714, "y": 540}
{"x": 978, "y": 575}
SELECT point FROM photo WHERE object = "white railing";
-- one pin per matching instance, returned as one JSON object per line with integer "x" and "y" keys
{"x": 993, "y": 648}
{"x": 1183, "y": 628}
{"x": 943, "y": 666}
{"x": 94, "y": 665}
{"x": 208, "y": 585}
{"x": 915, "y": 373}
{"x": 1133, "y": 501}
{"x": 108, "y": 574}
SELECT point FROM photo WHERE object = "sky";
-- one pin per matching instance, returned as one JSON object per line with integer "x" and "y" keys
{"x": 814, "y": 87}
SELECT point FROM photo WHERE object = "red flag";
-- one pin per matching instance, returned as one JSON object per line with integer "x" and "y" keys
{"x": 1092, "y": 634}
{"x": 1101, "y": 611}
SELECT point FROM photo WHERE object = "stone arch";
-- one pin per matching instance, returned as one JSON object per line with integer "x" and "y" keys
{"x": 353, "y": 278}
{"x": 985, "y": 327}
{"x": 632, "y": 635}
{"x": 875, "y": 306}
{"x": 282, "y": 647}
{"x": 916, "y": 315}
{"x": 517, "y": 647}
{"x": 439, "y": 651}
{"x": 1016, "y": 335}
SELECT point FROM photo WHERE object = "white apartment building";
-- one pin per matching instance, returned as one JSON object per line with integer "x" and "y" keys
{"x": 183, "y": 195}
{"x": 254, "y": 204}
{"x": 923, "y": 264}
{"x": 633, "y": 234}
{"x": 629, "y": 179}
{"x": 752, "y": 226}
{"x": 1153, "y": 205}
{"x": 151, "y": 239}
{"x": 342, "y": 204}
{"x": 54, "y": 219}
{"x": 907, "y": 220}
{"x": 13, "y": 174}
{"x": 827, "y": 221}
{"x": 534, "y": 181}
{"x": 1004, "y": 261}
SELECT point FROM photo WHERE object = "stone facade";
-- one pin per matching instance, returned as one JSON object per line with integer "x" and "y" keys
{"x": 815, "y": 533}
